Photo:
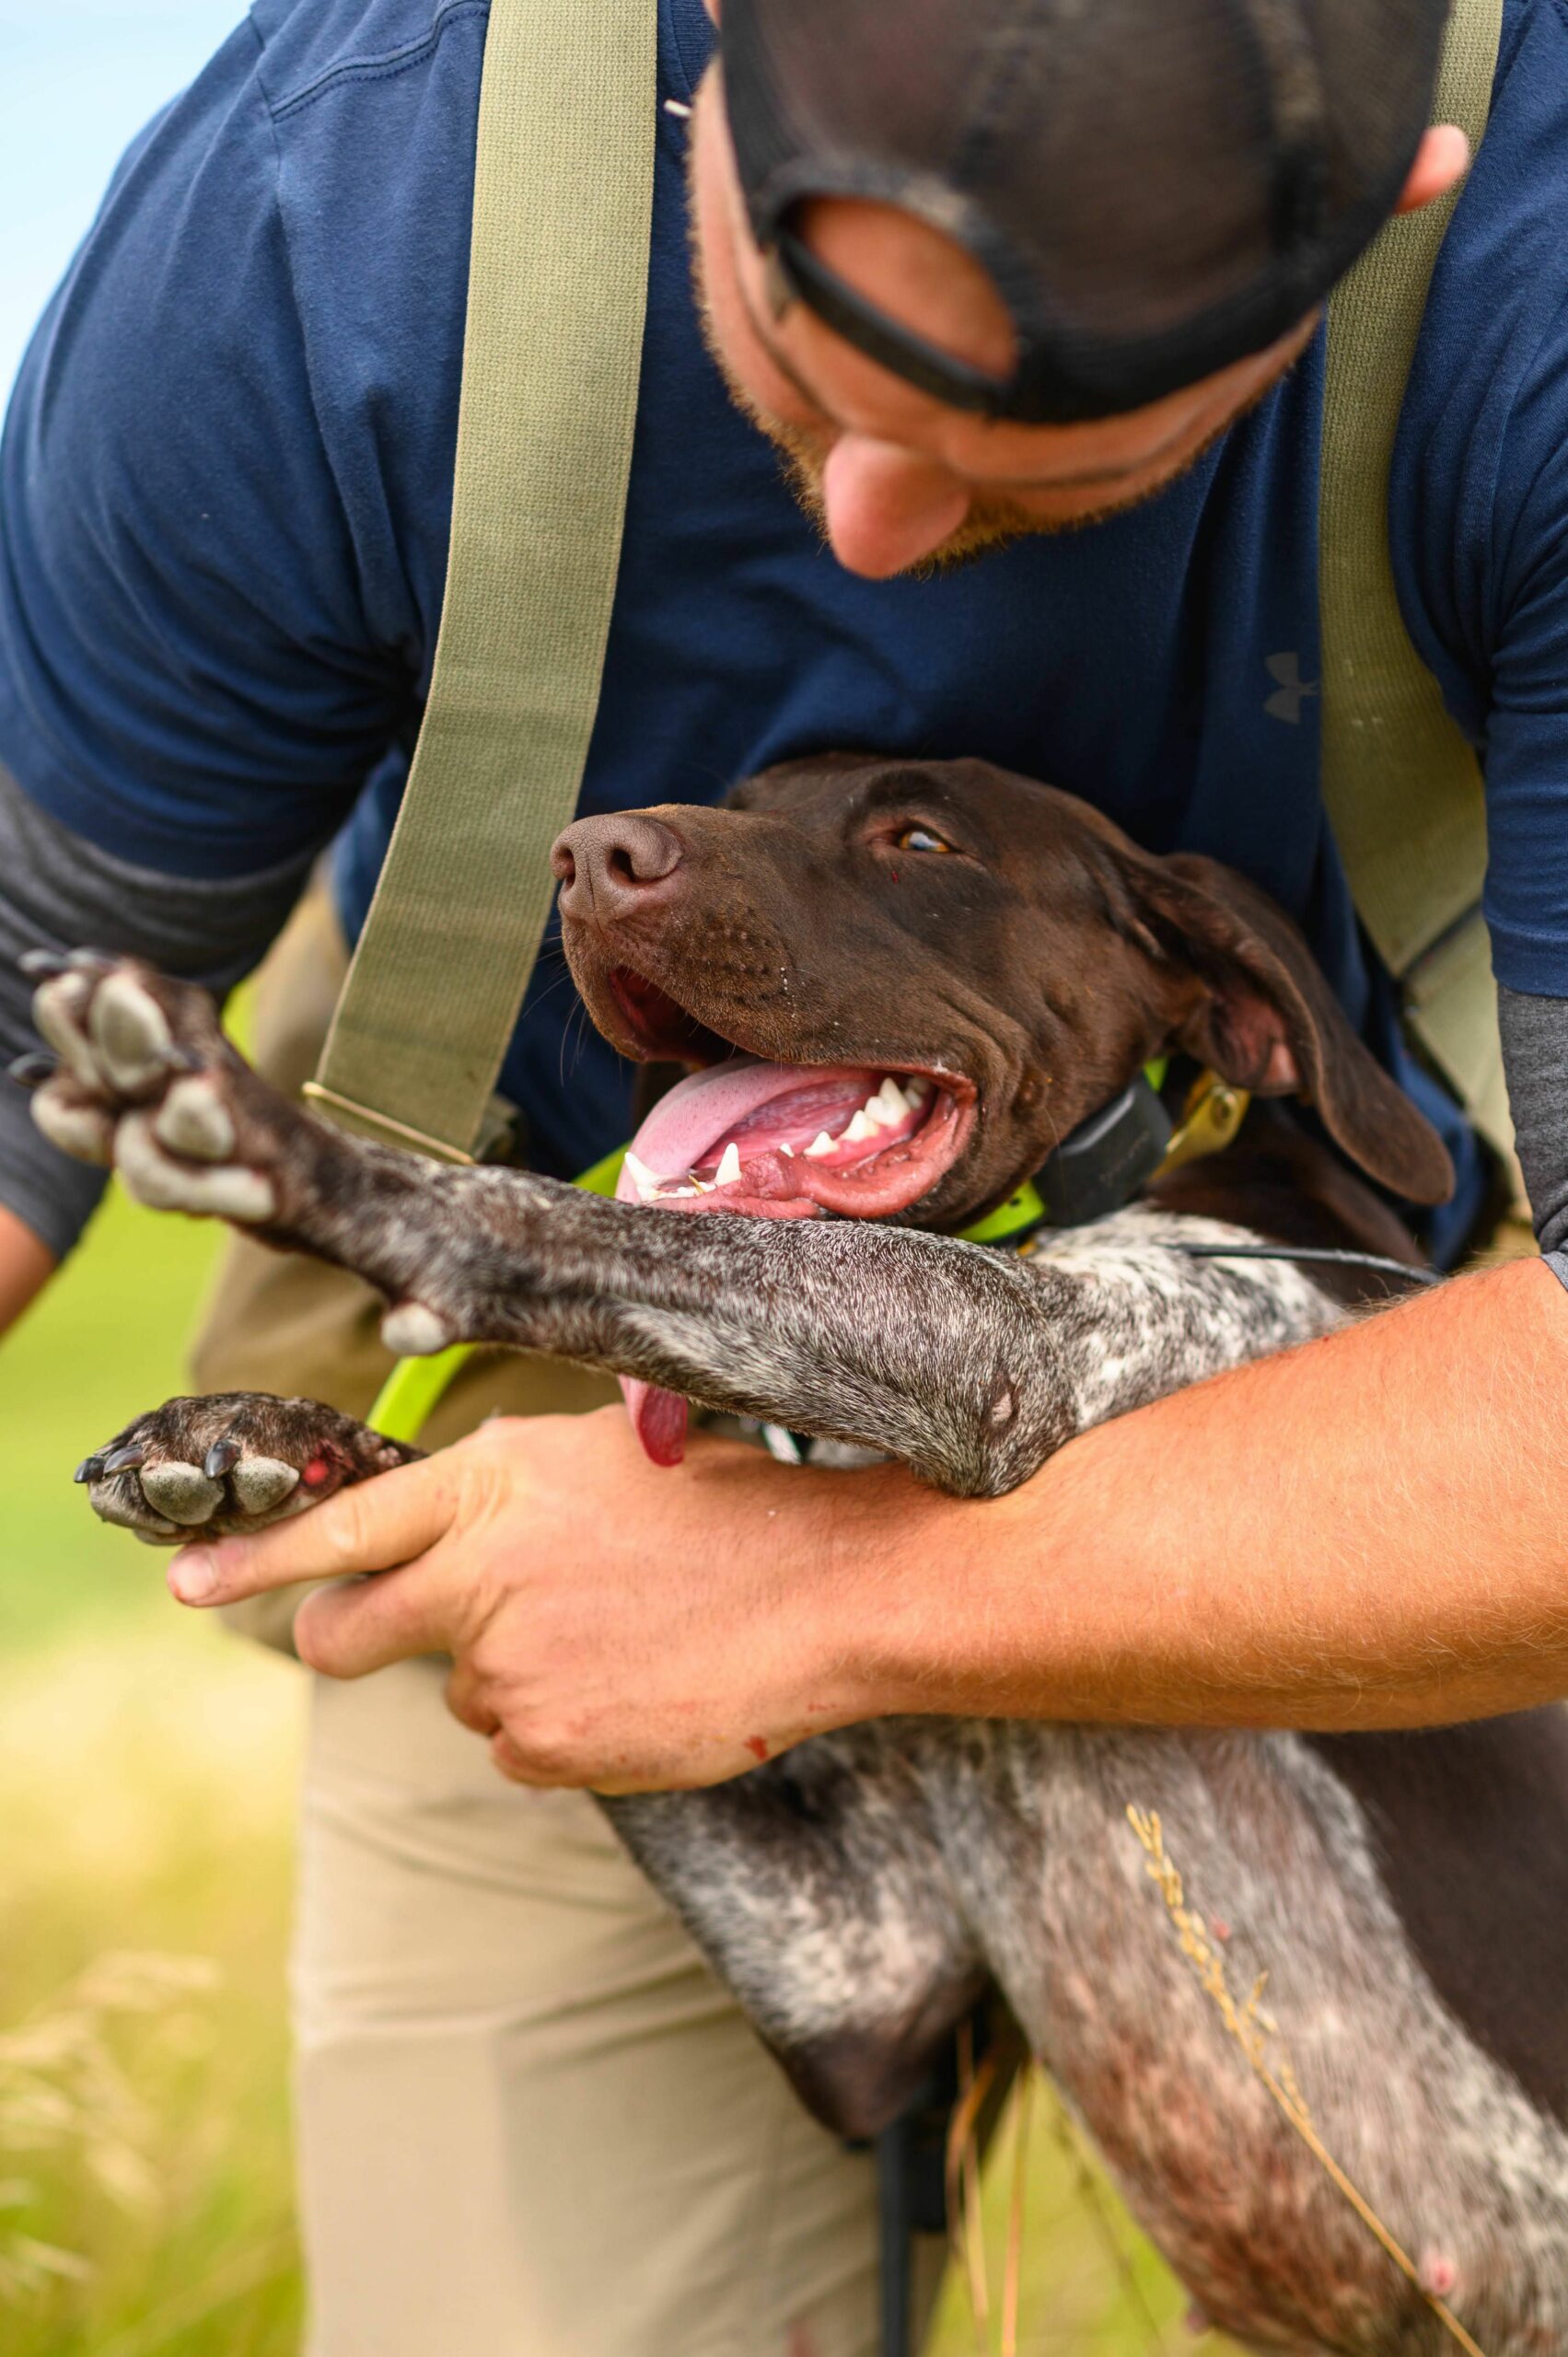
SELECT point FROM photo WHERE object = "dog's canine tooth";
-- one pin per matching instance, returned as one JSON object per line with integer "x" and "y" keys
{"x": 647, "y": 1182}
{"x": 729, "y": 1171}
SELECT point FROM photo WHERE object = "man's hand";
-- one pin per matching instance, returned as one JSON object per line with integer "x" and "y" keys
{"x": 1368, "y": 1532}
{"x": 610, "y": 1623}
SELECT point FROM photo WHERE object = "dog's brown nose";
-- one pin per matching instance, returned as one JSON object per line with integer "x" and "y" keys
{"x": 609, "y": 867}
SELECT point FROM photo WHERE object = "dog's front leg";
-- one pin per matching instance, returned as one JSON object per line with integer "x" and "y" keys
{"x": 970, "y": 1365}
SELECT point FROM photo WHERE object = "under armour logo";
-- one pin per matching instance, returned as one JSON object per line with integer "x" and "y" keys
{"x": 1292, "y": 690}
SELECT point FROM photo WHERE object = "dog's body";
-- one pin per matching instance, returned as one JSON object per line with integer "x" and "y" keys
{"x": 1404, "y": 1895}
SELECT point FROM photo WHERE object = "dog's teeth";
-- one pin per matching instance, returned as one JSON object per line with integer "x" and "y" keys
{"x": 647, "y": 1182}
{"x": 914, "y": 1094}
{"x": 822, "y": 1144}
{"x": 893, "y": 1101}
{"x": 859, "y": 1130}
{"x": 785, "y": 1148}
{"x": 729, "y": 1171}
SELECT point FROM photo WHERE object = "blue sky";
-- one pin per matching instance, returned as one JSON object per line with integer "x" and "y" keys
{"x": 77, "y": 78}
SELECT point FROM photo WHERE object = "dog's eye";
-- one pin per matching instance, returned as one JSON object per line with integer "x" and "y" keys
{"x": 922, "y": 838}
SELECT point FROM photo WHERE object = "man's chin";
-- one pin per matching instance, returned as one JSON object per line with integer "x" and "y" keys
{"x": 989, "y": 525}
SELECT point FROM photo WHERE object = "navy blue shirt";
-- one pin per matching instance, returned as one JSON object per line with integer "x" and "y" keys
{"x": 225, "y": 501}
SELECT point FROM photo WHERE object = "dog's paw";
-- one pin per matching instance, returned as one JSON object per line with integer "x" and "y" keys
{"x": 236, "y": 1462}
{"x": 142, "y": 1078}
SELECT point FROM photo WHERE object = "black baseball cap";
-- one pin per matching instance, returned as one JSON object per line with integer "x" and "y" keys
{"x": 1157, "y": 188}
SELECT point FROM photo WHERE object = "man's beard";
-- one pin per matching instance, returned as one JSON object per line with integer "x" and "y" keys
{"x": 990, "y": 524}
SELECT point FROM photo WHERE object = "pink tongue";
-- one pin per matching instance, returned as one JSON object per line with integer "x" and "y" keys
{"x": 698, "y": 1111}
{"x": 659, "y": 1419}
{"x": 677, "y": 1133}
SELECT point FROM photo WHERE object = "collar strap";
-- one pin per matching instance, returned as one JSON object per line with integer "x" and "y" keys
{"x": 1115, "y": 1153}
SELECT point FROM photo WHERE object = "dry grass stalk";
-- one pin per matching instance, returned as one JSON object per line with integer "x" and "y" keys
{"x": 1258, "y": 2035}
{"x": 965, "y": 2225}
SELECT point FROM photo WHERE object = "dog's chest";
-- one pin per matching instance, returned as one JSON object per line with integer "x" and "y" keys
{"x": 1134, "y": 1965}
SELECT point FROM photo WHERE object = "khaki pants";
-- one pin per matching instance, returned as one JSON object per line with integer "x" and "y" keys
{"x": 530, "y": 2122}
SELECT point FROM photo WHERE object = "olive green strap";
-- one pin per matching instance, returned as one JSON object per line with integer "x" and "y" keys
{"x": 1402, "y": 785}
{"x": 552, "y": 350}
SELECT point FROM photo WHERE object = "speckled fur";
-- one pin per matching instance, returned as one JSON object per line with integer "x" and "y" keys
{"x": 858, "y": 1893}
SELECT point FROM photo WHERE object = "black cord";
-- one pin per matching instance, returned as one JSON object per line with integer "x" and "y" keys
{"x": 1310, "y": 1252}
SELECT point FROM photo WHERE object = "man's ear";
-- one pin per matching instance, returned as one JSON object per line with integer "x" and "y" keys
{"x": 1269, "y": 1022}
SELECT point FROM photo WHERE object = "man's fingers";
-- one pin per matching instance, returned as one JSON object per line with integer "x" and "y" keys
{"x": 367, "y": 1624}
{"x": 512, "y": 1763}
{"x": 465, "y": 1701}
{"x": 371, "y": 1527}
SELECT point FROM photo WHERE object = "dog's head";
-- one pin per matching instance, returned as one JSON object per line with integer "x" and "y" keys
{"x": 940, "y": 969}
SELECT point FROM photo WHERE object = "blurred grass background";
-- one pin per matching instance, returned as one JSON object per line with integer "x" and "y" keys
{"x": 147, "y": 1773}
{"x": 147, "y": 1765}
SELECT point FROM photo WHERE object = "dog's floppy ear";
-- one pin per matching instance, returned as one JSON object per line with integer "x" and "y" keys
{"x": 1269, "y": 1022}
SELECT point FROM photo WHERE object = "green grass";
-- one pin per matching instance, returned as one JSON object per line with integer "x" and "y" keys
{"x": 146, "y": 1770}
{"x": 147, "y": 1765}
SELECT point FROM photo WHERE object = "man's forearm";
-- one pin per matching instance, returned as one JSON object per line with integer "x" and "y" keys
{"x": 1366, "y": 1532}
{"x": 1372, "y": 1531}
{"x": 26, "y": 1265}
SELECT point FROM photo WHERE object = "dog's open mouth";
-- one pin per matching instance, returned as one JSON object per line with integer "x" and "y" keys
{"x": 792, "y": 1141}
{"x": 772, "y": 1141}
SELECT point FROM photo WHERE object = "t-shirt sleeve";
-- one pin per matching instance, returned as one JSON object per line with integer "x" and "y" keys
{"x": 1515, "y": 606}
{"x": 198, "y": 669}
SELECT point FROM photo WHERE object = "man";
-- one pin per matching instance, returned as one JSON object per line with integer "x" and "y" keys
{"x": 524, "y": 2113}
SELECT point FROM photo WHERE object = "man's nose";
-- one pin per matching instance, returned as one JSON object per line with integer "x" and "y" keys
{"x": 886, "y": 507}
{"x": 609, "y": 867}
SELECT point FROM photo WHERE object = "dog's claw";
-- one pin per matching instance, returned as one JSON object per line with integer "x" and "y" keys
{"x": 31, "y": 1070}
{"x": 130, "y": 1460}
{"x": 221, "y": 1458}
{"x": 89, "y": 1469}
{"x": 42, "y": 965}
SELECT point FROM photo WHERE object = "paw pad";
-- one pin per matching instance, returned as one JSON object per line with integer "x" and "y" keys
{"x": 181, "y": 1493}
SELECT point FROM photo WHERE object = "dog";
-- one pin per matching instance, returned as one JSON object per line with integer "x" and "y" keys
{"x": 935, "y": 974}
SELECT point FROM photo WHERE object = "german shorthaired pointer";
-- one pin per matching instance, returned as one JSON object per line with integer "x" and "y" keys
{"x": 933, "y": 975}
